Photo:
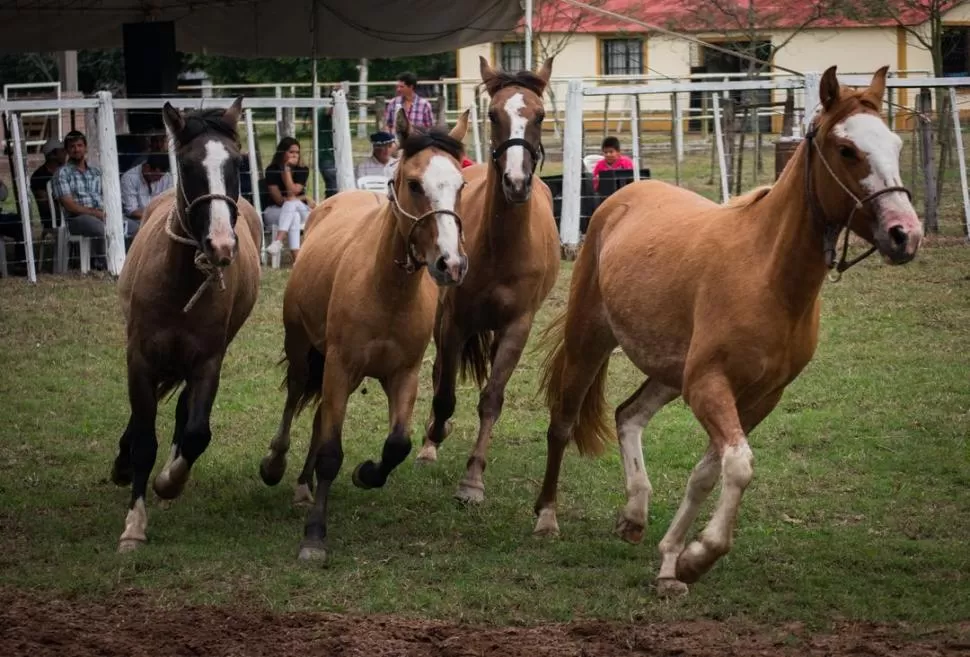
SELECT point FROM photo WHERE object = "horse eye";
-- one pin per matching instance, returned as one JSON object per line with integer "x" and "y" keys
{"x": 493, "y": 117}
{"x": 540, "y": 118}
{"x": 847, "y": 152}
{"x": 415, "y": 187}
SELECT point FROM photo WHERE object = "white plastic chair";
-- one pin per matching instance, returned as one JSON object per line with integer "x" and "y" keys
{"x": 372, "y": 183}
{"x": 590, "y": 161}
{"x": 64, "y": 238}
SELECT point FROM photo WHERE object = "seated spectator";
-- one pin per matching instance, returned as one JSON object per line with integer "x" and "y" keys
{"x": 139, "y": 185}
{"x": 54, "y": 158}
{"x": 612, "y": 160}
{"x": 286, "y": 183}
{"x": 77, "y": 187}
{"x": 12, "y": 226}
{"x": 381, "y": 143}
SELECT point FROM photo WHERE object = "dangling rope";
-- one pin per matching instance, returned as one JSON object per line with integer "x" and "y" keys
{"x": 202, "y": 262}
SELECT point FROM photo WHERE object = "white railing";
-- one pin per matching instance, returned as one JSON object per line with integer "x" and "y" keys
{"x": 808, "y": 85}
{"x": 51, "y": 87}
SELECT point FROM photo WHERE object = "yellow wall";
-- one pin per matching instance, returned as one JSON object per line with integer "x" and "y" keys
{"x": 959, "y": 14}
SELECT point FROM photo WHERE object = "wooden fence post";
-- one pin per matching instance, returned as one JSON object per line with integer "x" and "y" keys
{"x": 930, "y": 219}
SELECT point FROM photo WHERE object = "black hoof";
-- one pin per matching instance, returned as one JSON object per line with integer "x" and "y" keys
{"x": 271, "y": 471}
{"x": 121, "y": 474}
{"x": 367, "y": 475}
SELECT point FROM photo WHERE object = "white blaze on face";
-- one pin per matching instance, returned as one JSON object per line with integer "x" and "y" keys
{"x": 881, "y": 146}
{"x": 442, "y": 181}
{"x": 220, "y": 226}
{"x": 515, "y": 156}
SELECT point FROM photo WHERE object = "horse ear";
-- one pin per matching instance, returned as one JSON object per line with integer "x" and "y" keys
{"x": 878, "y": 86}
{"x": 401, "y": 125}
{"x": 488, "y": 73}
{"x": 461, "y": 127}
{"x": 234, "y": 112}
{"x": 829, "y": 90}
{"x": 546, "y": 71}
{"x": 173, "y": 119}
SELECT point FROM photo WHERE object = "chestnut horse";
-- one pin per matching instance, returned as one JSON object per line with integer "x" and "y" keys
{"x": 513, "y": 247}
{"x": 359, "y": 305}
{"x": 720, "y": 305}
{"x": 188, "y": 285}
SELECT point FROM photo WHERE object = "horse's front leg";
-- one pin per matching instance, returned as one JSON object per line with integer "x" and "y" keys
{"x": 448, "y": 342}
{"x": 509, "y": 343}
{"x": 401, "y": 390}
{"x": 141, "y": 444}
{"x": 201, "y": 391}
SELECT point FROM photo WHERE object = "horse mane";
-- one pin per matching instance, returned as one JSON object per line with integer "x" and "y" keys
{"x": 750, "y": 198}
{"x": 502, "y": 79}
{"x": 434, "y": 138}
{"x": 200, "y": 122}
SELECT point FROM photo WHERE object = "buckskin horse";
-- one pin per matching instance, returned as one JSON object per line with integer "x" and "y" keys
{"x": 358, "y": 304}
{"x": 720, "y": 305}
{"x": 513, "y": 248}
{"x": 189, "y": 283}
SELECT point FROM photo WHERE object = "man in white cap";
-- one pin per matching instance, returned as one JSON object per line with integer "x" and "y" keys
{"x": 381, "y": 143}
{"x": 54, "y": 158}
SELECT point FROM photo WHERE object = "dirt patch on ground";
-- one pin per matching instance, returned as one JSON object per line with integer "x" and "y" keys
{"x": 129, "y": 625}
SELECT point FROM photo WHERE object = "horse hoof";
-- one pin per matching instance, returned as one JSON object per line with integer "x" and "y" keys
{"x": 313, "y": 552}
{"x": 165, "y": 504}
{"x": 127, "y": 545}
{"x": 469, "y": 493}
{"x": 272, "y": 468}
{"x": 302, "y": 495}
{"x": 366, "y": 475}
{"x": 120, "y": 476}
{"x": 546, "y": 524}
{"x": 427, "y": 455}
{"x": 668, "y": 587}
{"x": 171, "y": 481}
{"x": 628, "y": 530}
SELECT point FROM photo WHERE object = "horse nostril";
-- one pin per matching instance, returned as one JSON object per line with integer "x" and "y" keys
{"x": 898, "y": 235}
{"x": 441, "y": 265}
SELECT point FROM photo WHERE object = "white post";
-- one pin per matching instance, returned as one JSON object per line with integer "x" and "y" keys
{"x": 528, "y": 35}
{"x": 812, "y": 83}
{"x": 316, "y": 137}
{"x": 362, "y": 100}
{"x": 572, "y": 165}
{"x": 961, "y": 157}
{"x": 173, "y": 167}
{"x": 21, "y": 176}
{"x": 342, "y": 145}
{"x": 253, "y": 170}
{"x": 719, "y": 141}
{"x": 476, "y": 133}
{"x": 678, "y": 128}
{"x": 111, "y": 185}
{"x": 635, "y": 136}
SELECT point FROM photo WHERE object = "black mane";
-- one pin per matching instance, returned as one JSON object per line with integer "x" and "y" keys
{"x": 527, "y": 79}
{"x": 435, "y": 137}
{"x": 200, "y": 122}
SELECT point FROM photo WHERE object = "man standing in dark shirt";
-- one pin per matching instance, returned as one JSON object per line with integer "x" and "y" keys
{"x": 54, "y": 158}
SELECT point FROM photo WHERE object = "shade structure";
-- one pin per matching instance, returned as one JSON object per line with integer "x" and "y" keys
{"x": 263, "y": 28}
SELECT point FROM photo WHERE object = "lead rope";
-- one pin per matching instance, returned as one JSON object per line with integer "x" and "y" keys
{"x": 202, "y": 262}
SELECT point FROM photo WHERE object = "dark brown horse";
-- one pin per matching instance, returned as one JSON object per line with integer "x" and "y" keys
{"x": 188, "y": 285}
{"x": 718, "y": 304}
{"x": 358, "y": 304}
{"x": 513, "y": 251}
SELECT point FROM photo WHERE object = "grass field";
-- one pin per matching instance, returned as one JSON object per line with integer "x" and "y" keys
{"x": 858, "y": 509}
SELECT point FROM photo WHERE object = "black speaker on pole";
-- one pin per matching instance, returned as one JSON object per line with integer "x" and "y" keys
{"x": 151, "y": 70}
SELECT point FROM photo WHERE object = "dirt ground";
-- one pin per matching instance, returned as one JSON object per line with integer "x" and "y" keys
{"x": 129, "y": 625}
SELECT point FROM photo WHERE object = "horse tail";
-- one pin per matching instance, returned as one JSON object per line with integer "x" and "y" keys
{"x": 311, "y": 385}
{"x": 592, "y": 430}
{"x": 474, "y": 357}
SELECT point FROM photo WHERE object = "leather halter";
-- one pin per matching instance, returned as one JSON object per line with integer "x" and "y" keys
{"x": 538, "y": 155}
{"x": 412, "y": 262}
{"x": 832, "y": 229}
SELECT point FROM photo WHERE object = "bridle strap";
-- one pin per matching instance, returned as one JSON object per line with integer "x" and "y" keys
{"x": 412, "y": 262}
{"x": 831, "y": 230}
{"x": 538, "y": 155}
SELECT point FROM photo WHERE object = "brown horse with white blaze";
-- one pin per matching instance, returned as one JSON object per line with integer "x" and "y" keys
{"x": 718, "y": 304}
{"x": 513, "y": 248}
{"x": 188, "y": 285}
{"x": 358, "y": 304}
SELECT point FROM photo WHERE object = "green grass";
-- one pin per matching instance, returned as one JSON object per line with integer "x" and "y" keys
{"x": 858, "y": 508}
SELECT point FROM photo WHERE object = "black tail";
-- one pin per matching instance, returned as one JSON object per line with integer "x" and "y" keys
{"x": 312, "y": 379}
{"x": 475, "y": 357}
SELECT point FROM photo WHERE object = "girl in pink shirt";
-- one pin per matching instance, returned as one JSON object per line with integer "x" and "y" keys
{"x": 612, "y": 160}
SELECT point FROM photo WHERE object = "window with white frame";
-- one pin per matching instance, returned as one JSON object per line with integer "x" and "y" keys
{"x": 512, "y": 56}
{"x": 622, "y": 56}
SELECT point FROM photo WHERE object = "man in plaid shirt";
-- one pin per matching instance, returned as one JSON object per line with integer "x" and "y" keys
{"x": 418, "y": 109}
{"x": 77, "y": 186}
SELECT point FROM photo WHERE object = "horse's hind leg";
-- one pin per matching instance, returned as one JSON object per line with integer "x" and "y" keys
{"x": 631, "y": 418}
{"x": 507, "y": 351}
{"x": 401, "y": 390}
{"x": 273, "y": 466}
{"x": 143, "y": 447}
{"x": 201, "y": 391}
